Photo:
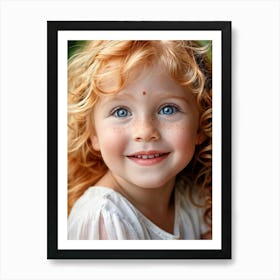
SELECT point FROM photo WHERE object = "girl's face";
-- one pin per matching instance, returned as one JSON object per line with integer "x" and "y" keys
{"x": 148, "y": 131}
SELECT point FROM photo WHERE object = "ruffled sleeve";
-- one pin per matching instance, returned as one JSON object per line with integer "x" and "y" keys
{"x": 102, "y": 214}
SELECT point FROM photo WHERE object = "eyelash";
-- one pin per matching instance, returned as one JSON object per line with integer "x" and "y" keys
{"x": 173, "y": 106}
{"x": 116, "y": 110}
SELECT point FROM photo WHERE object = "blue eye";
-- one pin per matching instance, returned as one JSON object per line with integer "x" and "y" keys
{"x": 168, "y": 110}
{"x": 121, "y": 113}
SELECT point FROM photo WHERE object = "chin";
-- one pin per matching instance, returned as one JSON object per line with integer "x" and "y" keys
{"x": 152, "y": 184}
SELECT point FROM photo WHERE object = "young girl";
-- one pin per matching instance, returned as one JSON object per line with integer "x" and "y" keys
{"x": 140, "y": 125}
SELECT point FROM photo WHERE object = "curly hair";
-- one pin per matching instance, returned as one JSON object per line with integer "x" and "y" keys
{"x": 104, "y": 67}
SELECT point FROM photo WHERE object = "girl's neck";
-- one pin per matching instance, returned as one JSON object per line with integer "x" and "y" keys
{"x": 157, "y": 204}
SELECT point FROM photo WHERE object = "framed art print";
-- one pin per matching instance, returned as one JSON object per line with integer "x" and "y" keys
{"x": 139, "y": 140}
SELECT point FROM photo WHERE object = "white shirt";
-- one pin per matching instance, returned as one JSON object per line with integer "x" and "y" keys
{"x": 102, "y": 213}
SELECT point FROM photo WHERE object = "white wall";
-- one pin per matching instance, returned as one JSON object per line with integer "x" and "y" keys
{"x": 255, "y": 127}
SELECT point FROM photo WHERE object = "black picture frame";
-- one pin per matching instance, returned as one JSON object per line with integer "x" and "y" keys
{"x": 53, "y": 250}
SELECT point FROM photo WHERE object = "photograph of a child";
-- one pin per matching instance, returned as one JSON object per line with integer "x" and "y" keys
{"x": 140, "y": 140}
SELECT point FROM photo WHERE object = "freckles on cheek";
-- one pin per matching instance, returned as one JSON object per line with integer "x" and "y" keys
{"x": 112, "y": 141}
{"x": 118, "y": 130}
{"x": 177, "y": 128}
{"x": 181, "y": 134}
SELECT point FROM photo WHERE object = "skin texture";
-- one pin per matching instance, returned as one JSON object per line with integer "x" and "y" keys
{"x": 151, "y": 117}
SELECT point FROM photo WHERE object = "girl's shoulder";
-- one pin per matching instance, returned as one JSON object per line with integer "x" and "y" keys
{"x": 190, "y": 205}
{"x": 102, "y": 211}
{"x": 98, "y": 198}
{"x": 94, "y": 198}
{"x": 186, "y": 192}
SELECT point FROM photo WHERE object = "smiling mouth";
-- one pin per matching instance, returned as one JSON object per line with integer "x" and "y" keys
{"x": 144, "y": 156}
{"x": 148, "y": 158}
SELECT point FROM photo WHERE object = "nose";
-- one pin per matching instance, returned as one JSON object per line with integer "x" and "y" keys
{"x": 146, "y": 130}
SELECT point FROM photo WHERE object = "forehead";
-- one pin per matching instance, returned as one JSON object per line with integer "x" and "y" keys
{"x": 152, "y": 78}
{"x": 150, "y": 84}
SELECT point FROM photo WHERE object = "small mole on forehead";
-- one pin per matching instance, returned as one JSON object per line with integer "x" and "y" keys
{"x": 144, "y": 92}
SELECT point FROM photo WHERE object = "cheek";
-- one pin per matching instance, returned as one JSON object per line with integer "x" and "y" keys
{"x": 112, "y": 141}
{"x": 182, "y": 136}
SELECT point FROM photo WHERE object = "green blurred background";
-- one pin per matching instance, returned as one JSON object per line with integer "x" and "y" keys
{"x": 74, "y": 46}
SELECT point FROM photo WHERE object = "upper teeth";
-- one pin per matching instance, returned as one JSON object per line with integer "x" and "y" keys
{"x": 147, "y": 156}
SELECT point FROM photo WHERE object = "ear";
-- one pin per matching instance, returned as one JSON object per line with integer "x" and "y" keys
{"x": 200, "y": 138}
{"x": 95, "y": 142}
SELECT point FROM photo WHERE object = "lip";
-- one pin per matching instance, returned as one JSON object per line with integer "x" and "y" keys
{"x": 147, "y": 158}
